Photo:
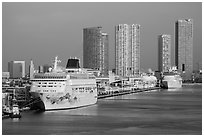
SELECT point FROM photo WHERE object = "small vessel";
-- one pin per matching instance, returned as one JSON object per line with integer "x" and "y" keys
{"x": 13, "y": 110}
{"x": 64, "y": 88}
{"x": 15, "y": 113}
{"x": 171, "y": 80}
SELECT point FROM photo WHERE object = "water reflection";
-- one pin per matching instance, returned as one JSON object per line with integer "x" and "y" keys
{"x": 15, "y": 119}
{"x": 166, "y": 111}
{"x": 174, "y": 90}
{"x": 83, "y": 111}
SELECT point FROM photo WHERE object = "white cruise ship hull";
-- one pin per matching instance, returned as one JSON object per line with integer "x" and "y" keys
{"x": 65, "y": 94}
{"x": 53, "y": 101}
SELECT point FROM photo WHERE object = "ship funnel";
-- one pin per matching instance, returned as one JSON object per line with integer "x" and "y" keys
{"x": 73, "y": 63}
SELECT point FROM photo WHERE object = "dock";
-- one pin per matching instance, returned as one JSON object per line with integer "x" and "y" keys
{"x": 124, "y": 92}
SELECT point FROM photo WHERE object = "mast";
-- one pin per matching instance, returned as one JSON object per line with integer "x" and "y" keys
{"x": 55, "y": 64}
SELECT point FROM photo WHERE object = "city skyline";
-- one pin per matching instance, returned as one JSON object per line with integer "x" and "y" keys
{"x": 40, "y": 31}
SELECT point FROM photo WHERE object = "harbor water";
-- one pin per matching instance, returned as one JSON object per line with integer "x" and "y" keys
{"x": 163, "y": 111}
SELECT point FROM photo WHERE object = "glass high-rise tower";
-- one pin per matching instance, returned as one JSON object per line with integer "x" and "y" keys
{"x": 184, "y": 47}
{"x": 127, "y": 49}
{"x": 95, "y": 49}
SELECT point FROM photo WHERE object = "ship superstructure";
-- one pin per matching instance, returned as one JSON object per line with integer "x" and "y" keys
{"x": 171, "y": 80}
{"x": 63, "y": 88}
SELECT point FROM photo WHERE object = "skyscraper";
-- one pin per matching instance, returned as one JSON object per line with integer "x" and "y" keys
{"x": 127, "y": 49}
{"x": 95, "y": 49}
{"x": 16, "y": 69}
{"x": 164, "y": 61}
{"x": 31, "y": 70}
{"x": 184, "y": 47}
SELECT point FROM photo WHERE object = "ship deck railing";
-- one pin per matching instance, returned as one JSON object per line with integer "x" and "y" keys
{"x": 123, "y": 91}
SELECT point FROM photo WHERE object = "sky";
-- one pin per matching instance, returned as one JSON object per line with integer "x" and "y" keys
{"x": 41, "y": 31}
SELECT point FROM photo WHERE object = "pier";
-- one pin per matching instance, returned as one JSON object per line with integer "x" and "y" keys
{"x": 120, "y": 92}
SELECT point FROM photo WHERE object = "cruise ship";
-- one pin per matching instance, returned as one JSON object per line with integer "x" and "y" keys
{"x": 64, "y": 88}
{"x": 171, "y": 80}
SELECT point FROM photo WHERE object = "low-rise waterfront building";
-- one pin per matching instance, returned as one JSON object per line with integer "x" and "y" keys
{"x": 16, "y": 69}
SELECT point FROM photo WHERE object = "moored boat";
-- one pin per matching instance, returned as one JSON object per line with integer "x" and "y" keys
{"x": 171, "y": 80}
{"x": 15, "y": 112}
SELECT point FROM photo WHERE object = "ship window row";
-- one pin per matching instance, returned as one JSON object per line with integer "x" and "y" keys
{"x": 47, "y": 80}
{"x": 48, "y": 86}
{"x": 49, "y": 90}
{"x": 46, "y": 90}
{"x": 49, "y": 83}
{"x": 51, "y": 77}
{"x": 73, "y": 77}
{"x": 84, "y": 88}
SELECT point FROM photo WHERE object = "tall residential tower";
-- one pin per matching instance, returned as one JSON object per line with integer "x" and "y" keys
{"x": 164, "y": 61}
{"x": 95, "y": 49}
{"x": 184, "y": 47}
{"x": 127, "y": 49}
